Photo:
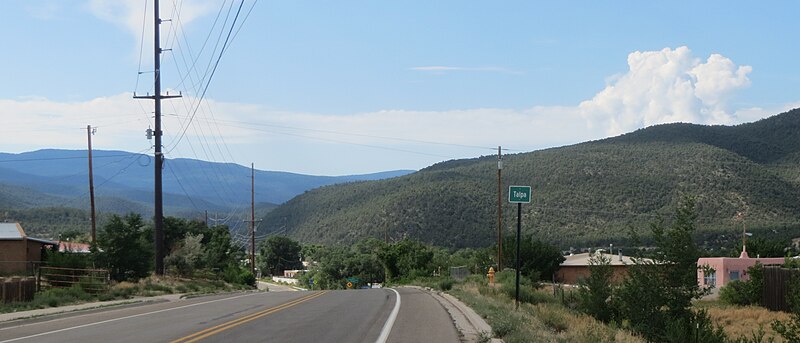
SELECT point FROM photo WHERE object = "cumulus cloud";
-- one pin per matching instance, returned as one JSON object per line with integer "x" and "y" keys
{"x": 666, "y": 86}
{"x": 659, "y": 87}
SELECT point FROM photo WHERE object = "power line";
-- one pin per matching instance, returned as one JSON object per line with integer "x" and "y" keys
{"x": 213, "y": 71}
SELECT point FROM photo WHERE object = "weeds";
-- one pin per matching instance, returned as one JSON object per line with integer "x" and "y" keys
{"x": 152, "y": 286}
{"x": 543, "y": 320}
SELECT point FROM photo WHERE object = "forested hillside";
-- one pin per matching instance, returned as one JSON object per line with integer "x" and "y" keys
{"x": 593, "y": 192}
{"x": 190, "y": 184}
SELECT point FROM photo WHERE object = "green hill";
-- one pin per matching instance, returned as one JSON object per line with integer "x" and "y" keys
{"x": 588, "y": 193}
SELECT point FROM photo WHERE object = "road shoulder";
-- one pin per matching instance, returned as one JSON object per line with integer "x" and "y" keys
{"x": 469, "y": 324}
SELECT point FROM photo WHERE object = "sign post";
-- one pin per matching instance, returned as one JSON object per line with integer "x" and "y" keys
{"x": 519, "y": 195}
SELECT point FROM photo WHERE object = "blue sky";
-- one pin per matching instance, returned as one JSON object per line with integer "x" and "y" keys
{"x": 343, "y": 87}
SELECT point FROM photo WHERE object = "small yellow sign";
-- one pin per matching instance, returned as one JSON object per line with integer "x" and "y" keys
{"x": 349, "y": 284}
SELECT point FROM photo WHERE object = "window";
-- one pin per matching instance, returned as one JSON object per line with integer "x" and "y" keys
{"x": 710, "y": 277}
{"x": 734, "y": 275}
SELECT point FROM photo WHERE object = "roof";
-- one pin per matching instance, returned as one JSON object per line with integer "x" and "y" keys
{"x": 11, "y": 231}
{"x": 66, "y": 246}
{"x": 14, "y": 232}
{"x": 582, "y": 260}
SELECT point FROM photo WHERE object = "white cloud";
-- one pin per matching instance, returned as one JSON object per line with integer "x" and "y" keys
{"x": 660, "y": 86}
{"x": 666, "y": 86}
{"x": 130, "y": 15}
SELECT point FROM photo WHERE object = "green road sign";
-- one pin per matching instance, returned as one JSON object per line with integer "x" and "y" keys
{"x": 519, "y": 194}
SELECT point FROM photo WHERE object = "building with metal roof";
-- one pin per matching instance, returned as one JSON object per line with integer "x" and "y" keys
{"x": 576, "y": 267}
{"x": 18, "y": 252}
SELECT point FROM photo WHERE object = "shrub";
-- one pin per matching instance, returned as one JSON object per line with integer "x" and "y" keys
{"x": 446, "y": 284}
{"x": 697, "y": 327}
{"x": 238, "y": 275}
{"x": 60, "y": 296}
{"x": 735, "y": 293}
{"x": 744, "y": 293}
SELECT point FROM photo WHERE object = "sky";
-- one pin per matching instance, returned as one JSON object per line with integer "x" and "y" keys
{"x": 351, "y": 87}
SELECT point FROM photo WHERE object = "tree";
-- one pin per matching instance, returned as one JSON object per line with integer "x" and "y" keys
{"x": 177, "y": 229}
{"x": 676, "y": 257}
{"x": 123, "y": 249}
{"x": 406, "y": 259}
{"x": 186, "y": 256}
{"x": 279, "y": 253}
{"x": 655, "y": 297}
{"x": 538, "y": 260}
{"x": 766, "y": 247}
{"x": 594, "y": 292}
{"x": 790, "y": 329}
{"x": 219, "y": 249}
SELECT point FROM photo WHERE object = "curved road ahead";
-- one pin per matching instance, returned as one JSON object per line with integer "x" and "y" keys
{"x": 333, "y": 316}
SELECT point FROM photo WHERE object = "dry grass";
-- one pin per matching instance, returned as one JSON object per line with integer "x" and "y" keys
{"x": 740, "y": 321}
{"x": 543, "y": 322}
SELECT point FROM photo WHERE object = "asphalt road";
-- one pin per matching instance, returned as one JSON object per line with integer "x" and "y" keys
{"x": 335, "y": 316}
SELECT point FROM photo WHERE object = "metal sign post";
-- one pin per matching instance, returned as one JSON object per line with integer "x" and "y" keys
{"x": 519, "y": 195}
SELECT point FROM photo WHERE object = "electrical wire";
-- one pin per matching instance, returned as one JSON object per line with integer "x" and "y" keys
{"x": 141, "y": 46}
{"x": 213, "y": 71}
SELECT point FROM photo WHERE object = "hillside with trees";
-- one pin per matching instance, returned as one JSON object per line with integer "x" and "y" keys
{"x": 589, "y": 193}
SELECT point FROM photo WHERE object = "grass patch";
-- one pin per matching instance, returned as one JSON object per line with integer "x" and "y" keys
{"x": 151, "y": 286}
{"x": 742, "y": 321}
{"x": 543, "y": 320}
{"x": 50, "y": 298}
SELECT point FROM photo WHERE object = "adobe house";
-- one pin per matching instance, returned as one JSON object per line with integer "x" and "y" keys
{"x": 18, "y": 252}
{"x": 576, "y": 267}
{"x": 716, "y": 272}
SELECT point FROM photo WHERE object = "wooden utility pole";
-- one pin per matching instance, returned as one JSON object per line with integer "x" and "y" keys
{"x": 158, "y": 219}
{"x": 252, "y": 219}
{"x": 93, "y": 218}
{"x": 499, "y": 209}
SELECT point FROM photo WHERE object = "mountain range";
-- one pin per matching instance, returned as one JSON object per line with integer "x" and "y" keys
{"x": 593, "y": 193}
{"x": 123, "y": 182}
{"x": 585, "y": 194}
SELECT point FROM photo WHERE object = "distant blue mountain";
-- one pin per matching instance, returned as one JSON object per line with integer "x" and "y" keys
{"x": 127, "y": 178}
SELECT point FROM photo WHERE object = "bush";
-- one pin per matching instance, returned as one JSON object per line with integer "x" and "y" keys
{"x": 446, "y": 284}
{"x": 735, "y": 293}
{"x": 527, "y": 294}
{"x": 696, "y": 328}
{"x": 238, "y": 275}
{"x": 744, "y": 293}
{"x": 60, "y": 296}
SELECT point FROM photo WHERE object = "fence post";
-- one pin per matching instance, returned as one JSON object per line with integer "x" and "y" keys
{"x": 17, "y": 282}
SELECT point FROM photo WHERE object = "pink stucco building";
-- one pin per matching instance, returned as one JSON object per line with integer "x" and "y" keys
{"x": 722, "y": 270}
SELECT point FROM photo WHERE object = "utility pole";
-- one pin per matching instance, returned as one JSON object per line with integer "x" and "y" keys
{"x": 499, "y": 209}
{"x": 252, "y": 219}
{"x": 89, "y": 133}
{"x": 158, "y": 232}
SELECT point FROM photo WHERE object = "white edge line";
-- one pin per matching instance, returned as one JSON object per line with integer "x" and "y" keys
{"x": 123, "y": 318}
{"x": 387, "y": 327}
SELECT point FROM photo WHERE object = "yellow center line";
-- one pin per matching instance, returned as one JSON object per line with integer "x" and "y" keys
{"x": 236, "y": 322}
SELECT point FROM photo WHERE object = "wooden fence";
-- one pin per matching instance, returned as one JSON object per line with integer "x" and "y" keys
{"x": 17, "y": 289}
{"x": 776, "y": 287}
{"x": 91, "y": 280}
